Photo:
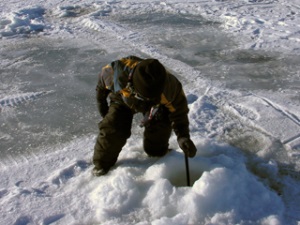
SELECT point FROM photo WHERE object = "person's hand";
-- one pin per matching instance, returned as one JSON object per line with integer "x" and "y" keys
{"x": 187, "y": 145}
{"x": 103, "y": 108}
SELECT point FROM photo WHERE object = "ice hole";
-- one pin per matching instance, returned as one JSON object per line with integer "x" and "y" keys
{"x": 173, "y": 168}
{"x": 180, "y": 178}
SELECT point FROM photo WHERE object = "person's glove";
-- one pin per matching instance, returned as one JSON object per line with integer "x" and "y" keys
{"x": 187, "y": 145}
{"x": 102, "y": 104}
{"x": 103, "y": 108}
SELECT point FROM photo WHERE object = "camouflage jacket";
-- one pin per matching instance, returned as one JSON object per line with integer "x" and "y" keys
{"x": 113, "y": 81}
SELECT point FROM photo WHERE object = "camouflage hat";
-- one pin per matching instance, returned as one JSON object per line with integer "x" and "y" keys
{"x": 149, "y": 78}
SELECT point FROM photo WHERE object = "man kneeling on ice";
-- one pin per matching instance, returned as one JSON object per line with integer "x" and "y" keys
{"x": 139, "y": 85}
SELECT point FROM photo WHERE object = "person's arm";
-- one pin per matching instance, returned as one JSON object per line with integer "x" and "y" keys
{"x": 103, "y": 89}
{"x": 178, "y": 107}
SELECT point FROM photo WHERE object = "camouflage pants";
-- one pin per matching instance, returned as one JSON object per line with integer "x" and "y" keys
{"x": 115, "y": 129}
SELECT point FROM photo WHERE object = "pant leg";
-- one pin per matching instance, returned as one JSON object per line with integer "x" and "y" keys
{"x": 114, "y": 130}
{"x": 157, "y": 135}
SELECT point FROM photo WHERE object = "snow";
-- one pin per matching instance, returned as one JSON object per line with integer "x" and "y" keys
{"x": 239, "y": 65}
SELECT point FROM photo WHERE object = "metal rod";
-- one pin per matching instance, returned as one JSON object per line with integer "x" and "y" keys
{"x": 187, "y": 169}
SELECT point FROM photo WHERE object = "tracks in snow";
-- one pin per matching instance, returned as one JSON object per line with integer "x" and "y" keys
{"x": 18, "y": 99}
{"x": 286, "y": 113}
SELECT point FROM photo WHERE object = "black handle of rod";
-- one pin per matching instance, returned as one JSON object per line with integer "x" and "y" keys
{"x": 187, "y": 169}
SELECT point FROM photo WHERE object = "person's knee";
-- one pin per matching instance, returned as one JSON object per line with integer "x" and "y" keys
{"x": 157, "y": 150}
{"x": 110, "y": 129}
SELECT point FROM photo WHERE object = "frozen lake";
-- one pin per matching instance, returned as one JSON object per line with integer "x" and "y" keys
{"x": 56, "y": 78}
{"x": 239, "y": 64}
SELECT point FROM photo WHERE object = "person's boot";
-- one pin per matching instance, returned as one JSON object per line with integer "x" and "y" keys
{"x": 97, "y": 172}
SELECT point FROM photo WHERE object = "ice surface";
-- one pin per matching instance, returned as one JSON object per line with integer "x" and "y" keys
{"x": 239, "y": 65}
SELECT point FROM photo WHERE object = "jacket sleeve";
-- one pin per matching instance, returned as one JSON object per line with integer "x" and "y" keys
{"x": 176, "y": 102}
{"x": 179, "y": 118}
{"x": 105, "y": 83}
